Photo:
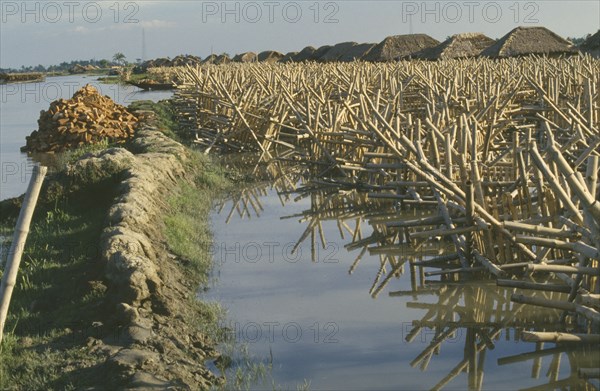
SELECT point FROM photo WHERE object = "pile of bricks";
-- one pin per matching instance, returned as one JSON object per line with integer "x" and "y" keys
{"x": 87, "y": 118}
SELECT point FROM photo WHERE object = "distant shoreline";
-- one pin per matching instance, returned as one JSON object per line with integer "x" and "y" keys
{"x": 6, "y": 78}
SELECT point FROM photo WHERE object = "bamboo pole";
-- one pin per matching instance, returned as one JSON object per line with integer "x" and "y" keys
{"x": 17, "y": 246}
{"x": 587, "y": 312}
{"x": 537, "y": 336}
{"x": 534, "y": 286}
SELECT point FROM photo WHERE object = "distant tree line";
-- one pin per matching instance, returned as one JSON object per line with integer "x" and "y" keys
{"x": 62, "y": 67}
{"x": 119, "y": 59}
{"x": 580, "y": 40}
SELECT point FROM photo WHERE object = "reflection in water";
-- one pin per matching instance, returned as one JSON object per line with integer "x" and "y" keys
{"x": 453, "y": 302}
{"x": 480, "y": 312}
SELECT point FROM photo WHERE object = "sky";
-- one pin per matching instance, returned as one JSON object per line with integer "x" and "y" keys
{"x": 50, "y": 32}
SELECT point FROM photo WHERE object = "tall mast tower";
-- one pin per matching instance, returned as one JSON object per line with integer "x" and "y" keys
{"x": 143, "y": 44}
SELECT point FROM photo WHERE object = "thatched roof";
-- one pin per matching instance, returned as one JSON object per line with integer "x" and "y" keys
{"x": 320, "y": 52}
{"x": 289, "y": 57}
{"x": 336, "y": 51}
{"x": 178, "y": 61}
{"x": 77, "y": 68}
{"x": 222, "y": 59}
{"x": 356, "y": 52}
{"x": 524, "y": 41}
{"x": 457, "y": 46}
{"x": 210, "y": 59}
{"x": 183, "y": 60}
{"x": 592, "y": 45}
{"x": 269, "y": 56}
{"x": 305, "y": 54}
{"x": 400, "y": 46}
{"x": 159, "y": 62}
{"x": 245, "y": 57}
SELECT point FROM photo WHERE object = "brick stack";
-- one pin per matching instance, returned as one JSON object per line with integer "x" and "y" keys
{"x": 87, "y": 118}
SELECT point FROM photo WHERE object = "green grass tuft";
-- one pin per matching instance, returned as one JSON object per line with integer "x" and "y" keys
{"x": 167, "y": 121}
{"x": 187, "y": 227}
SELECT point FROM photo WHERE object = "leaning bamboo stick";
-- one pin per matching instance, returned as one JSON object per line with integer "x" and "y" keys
{"x": 17, "y": 246}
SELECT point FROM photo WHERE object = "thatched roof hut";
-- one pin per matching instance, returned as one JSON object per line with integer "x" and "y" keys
{"x": 222, "y": 59}
{"x": 159, "y": 62}
{"x": 269, "y": 56}
{"x": 337, "y": 51}
{"x": 209, "y": 60}
{"x": 457, "y": 46}
{"x": 77, "y": 69}
{"x": 305, "y": 54}
{"x": 398, "y": 47}
{"x": 178, "y": 61}
{"x": 183, "y": 60}
{"x": 320, "y": 52}
{"x": 592, "y": 45}
{"x": 356, "y": 52}
{"x": 524, "y": 41}
{"x": 245, "y": 57}
{"x": 289, "y": 57}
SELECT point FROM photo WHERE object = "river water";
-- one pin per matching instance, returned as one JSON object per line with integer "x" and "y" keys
{"x": 318, "y": 316}
{"x": 20, "y": 106}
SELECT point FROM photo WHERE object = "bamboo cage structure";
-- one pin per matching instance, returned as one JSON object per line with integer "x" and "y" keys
{"x": 499, "y": 158}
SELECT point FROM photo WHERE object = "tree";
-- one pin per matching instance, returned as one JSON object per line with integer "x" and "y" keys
{"x": 119, "y": 58}
{"x": 578, "y": 40}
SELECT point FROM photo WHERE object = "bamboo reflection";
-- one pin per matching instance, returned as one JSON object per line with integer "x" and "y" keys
{"x": 480, "y": 312}
{"x": 406, "y": 238}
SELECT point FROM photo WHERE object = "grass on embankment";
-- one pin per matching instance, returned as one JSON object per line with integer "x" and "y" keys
{"x": 166, "y": 121}
{"x": 188, "y": 233}
{"x": 59, "y": 292}
{"x": 187, "y": 227}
